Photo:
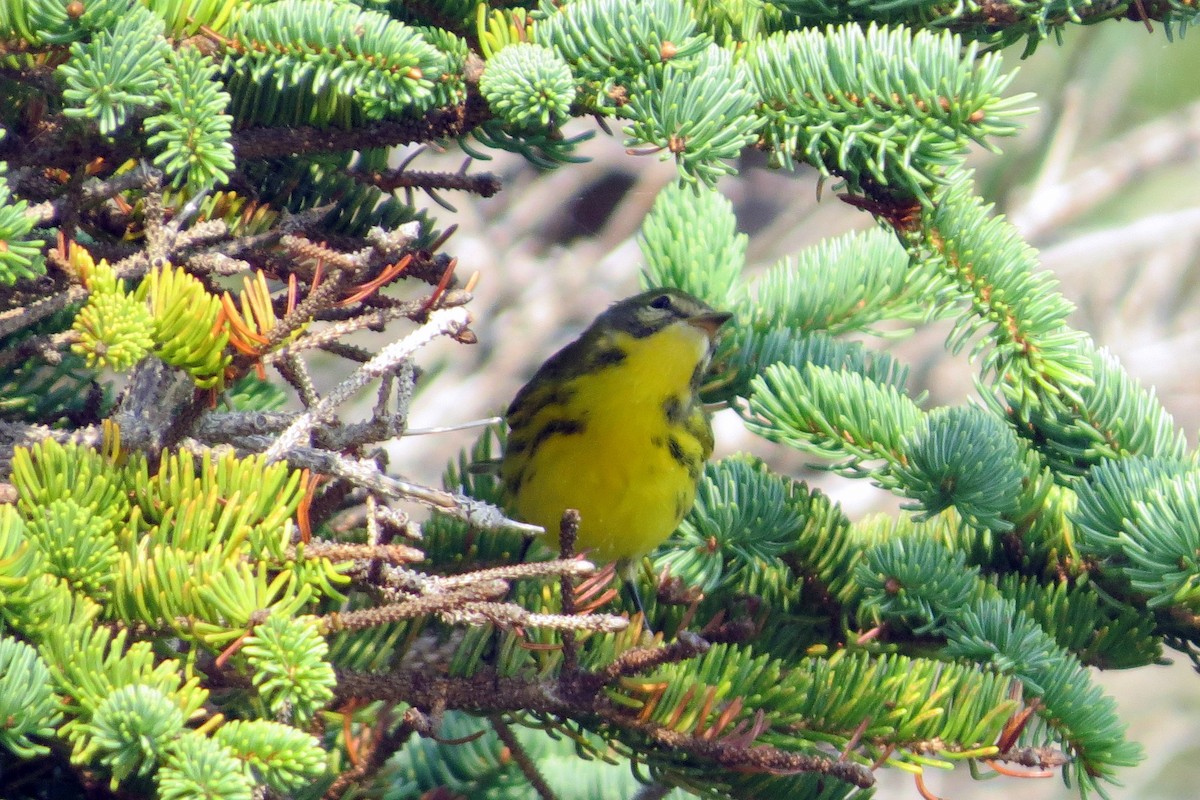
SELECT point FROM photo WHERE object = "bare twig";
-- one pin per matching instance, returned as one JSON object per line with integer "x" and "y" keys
{"x": 644, "y": 659}
{"x": 581, "y": 696}
{"x": 511, "y": 615}
{"x": 1159, "y": 143}
{"x": 21, "y": 317}
{"x": 653, "y": 791}
{"x": 366, "y": 474}
{"x": 412, "y": 607}
{"x": 346, "y": 551}
{"x": 441, "y": 322}
{"x": 517, "y": 751}
{"x": 374, "y": 319}
{"x": 568, "y": 567}
{"x": 568, "y": 530}
{"x": 382, "y": 748}
{"x": 1041, "y": 757}
{"x": 484, "y": 184}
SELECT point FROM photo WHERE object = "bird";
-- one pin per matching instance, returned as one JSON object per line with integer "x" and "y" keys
{"x": 612, "y": 426}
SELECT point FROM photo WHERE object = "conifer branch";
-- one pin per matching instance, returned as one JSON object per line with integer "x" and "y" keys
{"x": 483, "y": 184}
{"x": 441, "y": 123}
{"x": 205, "y": 575}
{"x": 576, "y": 696}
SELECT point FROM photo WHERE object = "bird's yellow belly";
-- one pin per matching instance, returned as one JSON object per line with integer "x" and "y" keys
{"x": 622, "y": 448}
{"x": 630, "y": 491}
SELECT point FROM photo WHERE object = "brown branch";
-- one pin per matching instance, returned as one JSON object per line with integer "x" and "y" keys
{"x": 998, "y": 13}
{"x": 410, "y": 608}
{"x": 736, "y": 755}
{"x": 441, "y": 123}
{"x": 1042, "y": 757}
{"x": 644, "y": 659}
{"x": 580, "y": 696}
{"x": 339, "y": 551}
{"x": 484, "y": 184}
{"x": 61, "y": 143}
{"x": 519, "y": 755}
{"x": 377, "y": 754}
{"x": 568, "y": 530}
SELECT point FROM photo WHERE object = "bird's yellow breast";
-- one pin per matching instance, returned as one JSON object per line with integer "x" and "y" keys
{"x": 625, "y": 446}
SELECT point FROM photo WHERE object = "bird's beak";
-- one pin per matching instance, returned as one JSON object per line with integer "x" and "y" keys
{"x": 710, "y": 322}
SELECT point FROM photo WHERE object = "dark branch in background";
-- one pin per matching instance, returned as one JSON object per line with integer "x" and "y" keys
{"x": 57, "y": 142}
{"x": 60, "y": 143}
{"x": 484, "y": 184}
{"x": 1003, "y": 14}
{"x": 382, "y": 746}
{"x": 442, "y": 123}
{"x": 21, "y": 317}
{"x": 92, "y": 193}
{"x": 653, "y": 791}
{"x": 581, "y": 696}
{"x": 741, "y": 756}
{"x": 517, "y": 751}
{"x": 158, "y": 408}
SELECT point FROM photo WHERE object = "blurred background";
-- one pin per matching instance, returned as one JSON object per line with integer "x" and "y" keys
{"x": 1104, "y": 181}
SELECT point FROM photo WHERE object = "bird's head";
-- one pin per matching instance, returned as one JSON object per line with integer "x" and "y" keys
{"x": 650, "y": 312}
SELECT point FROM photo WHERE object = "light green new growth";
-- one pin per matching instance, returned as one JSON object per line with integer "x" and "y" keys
{"x": 528, "y": 86}
{"x": 192, "y": 132}
{"x": 117, "y": 73}
{"x": 21, "y": 257}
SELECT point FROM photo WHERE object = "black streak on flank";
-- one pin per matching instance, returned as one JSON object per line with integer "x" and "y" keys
{"x": 557, "y": 427}
{"x": 681, "y": 458}
{"x": 676, "y": 451}
{"x": 674, "y": 411}
{"x": 606, "y": 357}
{"x": 532, "y": 403}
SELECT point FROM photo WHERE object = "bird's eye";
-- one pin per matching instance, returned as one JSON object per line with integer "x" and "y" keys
{"x": 661, "y": 302}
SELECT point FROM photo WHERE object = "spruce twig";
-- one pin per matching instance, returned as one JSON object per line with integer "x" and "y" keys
{"x": 519, "y": 754}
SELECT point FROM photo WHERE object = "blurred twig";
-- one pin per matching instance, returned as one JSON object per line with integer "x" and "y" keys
{"x": 1068, "y": 188}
